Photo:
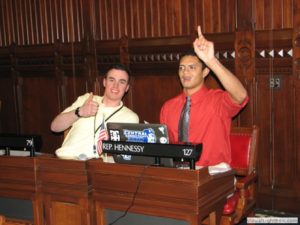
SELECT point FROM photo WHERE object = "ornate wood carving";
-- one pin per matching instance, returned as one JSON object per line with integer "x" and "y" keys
{"x": 244, "y": 47}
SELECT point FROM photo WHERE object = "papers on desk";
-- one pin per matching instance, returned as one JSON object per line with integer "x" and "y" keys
{"x": 219, "y": 168}
{"x": 16, "y": 153}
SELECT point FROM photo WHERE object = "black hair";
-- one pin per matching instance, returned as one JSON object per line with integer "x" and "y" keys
{"x": 122, "y": 67}
{"x": 191, "y": 52}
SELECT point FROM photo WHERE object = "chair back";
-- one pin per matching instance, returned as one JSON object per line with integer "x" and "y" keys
{"x": 0, "y": 116}
{"x": 66, "y": 131}
{"x": 5, "y": 221}
{"x": 243, "y": 142}
{"x": 241, "y": 204}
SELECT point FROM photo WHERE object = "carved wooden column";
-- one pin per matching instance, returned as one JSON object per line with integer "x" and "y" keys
{"x": 125, "y": 59}
{"x": 296, "y": 96}
{"x": 90, "y": 53}
{"x": 17, "y": 83}
{"x": 124, "y": 54}
{"x": 296, "y": 40}
{"x": 90, "y": 65}
{"x": 245, "y": 54}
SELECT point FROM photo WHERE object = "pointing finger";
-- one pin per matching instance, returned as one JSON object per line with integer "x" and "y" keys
{"x": 199, "y": 31}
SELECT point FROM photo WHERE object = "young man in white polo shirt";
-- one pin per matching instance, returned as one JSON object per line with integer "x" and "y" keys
{"x": 88, "y": 115}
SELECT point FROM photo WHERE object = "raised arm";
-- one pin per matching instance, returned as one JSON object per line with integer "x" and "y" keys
{"x": 205, "y": 51}
{"x": 64, "y": 120}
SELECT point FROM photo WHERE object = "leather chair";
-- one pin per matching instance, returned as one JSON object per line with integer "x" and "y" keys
{"x": 244, "y": 143}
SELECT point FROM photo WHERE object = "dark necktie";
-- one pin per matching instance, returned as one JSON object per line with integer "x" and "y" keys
{"x": 183, "y": 127}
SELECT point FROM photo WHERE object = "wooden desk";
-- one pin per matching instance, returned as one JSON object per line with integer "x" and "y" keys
{"x": 187, "y": 195}
{"x": 17, "y": 177}
{"x": 17, "y": 180}
{"x": 69, "y": 192}
{"x": 59, "y": 189}
{"x": 63, "y": 191}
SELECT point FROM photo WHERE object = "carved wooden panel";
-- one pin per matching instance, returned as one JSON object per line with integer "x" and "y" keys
{"x": 9, "y": 121}
{"x": 150, "y": 92}
{"x": 273, "y": 114}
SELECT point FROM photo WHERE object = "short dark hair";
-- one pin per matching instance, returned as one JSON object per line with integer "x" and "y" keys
{"x": 191, "y": 52}
{"x": 120, "y": 66}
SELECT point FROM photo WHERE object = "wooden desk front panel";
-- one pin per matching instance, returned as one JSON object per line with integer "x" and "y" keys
{"x": 17, "y": 177}
{"x": 64, "y": 191}
{"x": 180, "y": 194}
{"x": 68, "y": 192}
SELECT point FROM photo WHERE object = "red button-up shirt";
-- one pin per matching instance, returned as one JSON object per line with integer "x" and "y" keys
{"x": 210, "y": 120}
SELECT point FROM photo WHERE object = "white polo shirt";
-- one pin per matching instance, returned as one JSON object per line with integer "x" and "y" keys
{"x": 81, "y": 139}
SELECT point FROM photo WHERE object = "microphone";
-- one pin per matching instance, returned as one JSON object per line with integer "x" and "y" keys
{"x": 82, "y": 157}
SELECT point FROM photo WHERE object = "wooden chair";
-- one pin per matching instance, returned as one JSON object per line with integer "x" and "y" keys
{"x": 66, "y": 131}
{"x": 241, "y": 204}
{"x": 6, "y": 221}
{"x": 0, "y": 116}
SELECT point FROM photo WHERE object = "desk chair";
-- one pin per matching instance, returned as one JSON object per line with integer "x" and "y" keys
{"x": 241, "y": 204}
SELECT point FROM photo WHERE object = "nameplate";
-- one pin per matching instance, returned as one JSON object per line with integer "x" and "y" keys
{"x": 187, "y": 151}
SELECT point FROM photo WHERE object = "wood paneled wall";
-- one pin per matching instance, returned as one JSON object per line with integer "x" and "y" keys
{"x": 52, "y": 51}
{"x": 27, "y": 22}
{"x": 30, "y": 22}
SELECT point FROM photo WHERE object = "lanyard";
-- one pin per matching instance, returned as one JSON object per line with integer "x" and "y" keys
{"x": 94, "y": 147}
{"x": 106, "y": 119}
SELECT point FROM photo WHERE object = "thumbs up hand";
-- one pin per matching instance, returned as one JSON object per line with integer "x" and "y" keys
{"x": 89, "y": 107}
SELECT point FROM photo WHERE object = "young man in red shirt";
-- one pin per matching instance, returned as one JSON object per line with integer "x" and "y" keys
{"x": 211, "y": 111}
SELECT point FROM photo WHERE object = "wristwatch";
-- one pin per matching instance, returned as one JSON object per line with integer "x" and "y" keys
{"x": 77, "y": 112}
